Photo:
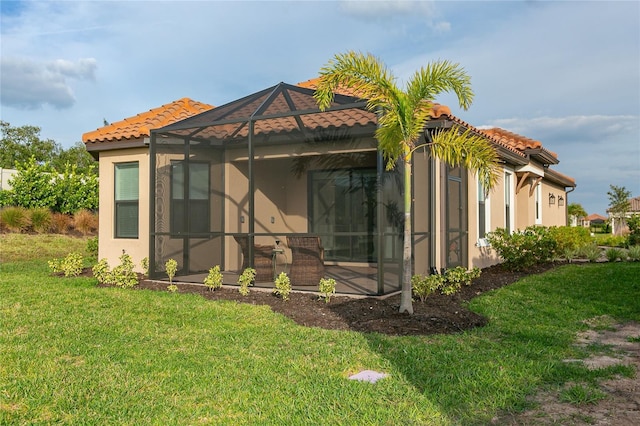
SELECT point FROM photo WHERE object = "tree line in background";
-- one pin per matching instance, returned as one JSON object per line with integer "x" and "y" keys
{"x": 64, "y": 181}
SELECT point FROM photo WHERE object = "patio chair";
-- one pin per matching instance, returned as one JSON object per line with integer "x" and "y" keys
{"x": 262, "y": 258}
{"x": 307, "y": 260}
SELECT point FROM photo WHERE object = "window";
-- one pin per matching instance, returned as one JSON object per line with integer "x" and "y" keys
{"x": 126, "y": 200}
{"x": 507, "y": 201}
{"x": 538, "y": 198}
{"x": 190, "y": 214}
{"x": 483, "y": 211}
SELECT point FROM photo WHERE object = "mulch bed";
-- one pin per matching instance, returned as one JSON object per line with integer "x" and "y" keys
{"x": 438, "y": 315}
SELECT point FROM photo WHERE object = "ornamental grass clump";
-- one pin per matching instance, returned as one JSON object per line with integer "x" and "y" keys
{"x": 15, "y": 219}
{"x": 283, "y": 286}
{"x": 40, "y": 219}
{"x": 214, "y": 279}
{"x": 613, "y": 254}
{"x": 327, "y": 288}
{"x": 634, "y": 253}
{"x": 85, "y": 221}
{"x": 245, "y": 280}
{"x": 591, "y": 252}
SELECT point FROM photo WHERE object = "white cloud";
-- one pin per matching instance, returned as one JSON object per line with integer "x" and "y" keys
{"x": 30, "y": 84}
{"x": 383, "y": 10}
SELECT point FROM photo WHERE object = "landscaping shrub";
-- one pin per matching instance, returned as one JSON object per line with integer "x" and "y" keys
{"x": 40, "y": 219}
{"x": 633, "y": 239}
{"x": 214, "y": 279}
{"x": 92, "y": 247}
{"x": 101, "y": 272}
{"x": 523, "y": 249}
{"x": 85, "y": 221}
{"x": 283, "y": 286}
{"x": 613, "y": 241}
{"x": 569, "y": 239}
{"x": 71, "y": 265}
{"x": 123, "y": 274}
{"x": 144, "y": 264}
{"x": 15, "y": 219}
{"x": 327, "y": 287}
{"x": 245, "y": 280}
{"x": 425, "y": 285}
{"x": 171, "y": 267}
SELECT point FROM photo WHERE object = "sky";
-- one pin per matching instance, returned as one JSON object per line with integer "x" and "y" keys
{"x": 566, "y": 73}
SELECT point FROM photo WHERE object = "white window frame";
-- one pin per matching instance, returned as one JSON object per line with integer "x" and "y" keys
{"x": 483, "y": 195}
{"x": 509, "y": 196}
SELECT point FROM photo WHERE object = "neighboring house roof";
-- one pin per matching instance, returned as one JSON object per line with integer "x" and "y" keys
{"x": 595, "y": 217}
{"x": 140, "y": 125}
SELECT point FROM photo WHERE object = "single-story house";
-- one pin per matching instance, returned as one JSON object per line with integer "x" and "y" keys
{"x": 270, "y": 181}
{"x": 592, "y": 219}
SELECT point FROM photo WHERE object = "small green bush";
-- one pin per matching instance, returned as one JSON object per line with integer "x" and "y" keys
{"x": 523, "y": 249}
{"x": 123, "y": 274}
{"x": 245, "y": 280}
{"x": 92, "y": 247}
{"x": 612, "y": 241}
{"x": 634, "y": 253}
{"x": 633, "y": 223}
{"x": 214, "y": 279}
{"x": 283, "y": 286}
{"x": 612, "y": 254}
{"x": 15, "y": 218}
{"x": 55, "y": 265}
{"x": 172, "y": 288}
{"x": 144, "y": 264}
{"x": 101, "y": 272}
{"x": 569, "y": 239}
{"x": 425, "y": 285}
{"x": 327, "y": 288}
{"x": 40, "y": 219}
{"x": 72, "y": 265}
{"x": 171, "y": 267}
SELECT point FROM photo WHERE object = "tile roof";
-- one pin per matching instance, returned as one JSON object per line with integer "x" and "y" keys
{"x": 634, "y": 204}
{"x": 521, "y": 143}
{"x": 595, "y": 217}
{"x": 140, "y": 125}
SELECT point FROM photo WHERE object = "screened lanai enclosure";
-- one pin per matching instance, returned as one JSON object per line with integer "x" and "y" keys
{"x": 271, "y": 182}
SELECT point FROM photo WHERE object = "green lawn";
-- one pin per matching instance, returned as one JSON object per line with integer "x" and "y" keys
{"x": 73, "y": 353}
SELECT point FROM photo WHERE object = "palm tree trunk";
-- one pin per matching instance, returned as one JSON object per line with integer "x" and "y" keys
{"x": 405, "y": 297}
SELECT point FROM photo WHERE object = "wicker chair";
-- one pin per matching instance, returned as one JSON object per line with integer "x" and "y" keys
{"x": 262, "y": 258}
{"x": 307, "y": 260}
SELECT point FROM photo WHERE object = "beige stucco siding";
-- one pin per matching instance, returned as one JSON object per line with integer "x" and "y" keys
{"x": 110, "y": 247}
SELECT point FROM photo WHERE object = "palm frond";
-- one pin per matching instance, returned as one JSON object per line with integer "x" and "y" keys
{"x": 440, "y": 77}
{"x": 469, "y": 150}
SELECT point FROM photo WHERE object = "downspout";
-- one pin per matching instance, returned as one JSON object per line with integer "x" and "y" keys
{"x": 566, "y": 204}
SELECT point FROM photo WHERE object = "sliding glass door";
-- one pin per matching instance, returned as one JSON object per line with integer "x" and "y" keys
{"x": 343, "y": 213}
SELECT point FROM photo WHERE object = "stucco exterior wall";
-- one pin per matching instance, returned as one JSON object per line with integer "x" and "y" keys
{"x": 110, "y": 247}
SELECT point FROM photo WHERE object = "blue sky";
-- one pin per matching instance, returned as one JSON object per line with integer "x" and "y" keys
{"x": 564, "y": 73}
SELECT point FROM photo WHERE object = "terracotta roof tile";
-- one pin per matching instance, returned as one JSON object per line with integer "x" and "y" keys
{"x": 521, "y": 143}
{"x": 140, "y": 125}
{"x": 635, "y": 204}
{"x": 595, "y": 216}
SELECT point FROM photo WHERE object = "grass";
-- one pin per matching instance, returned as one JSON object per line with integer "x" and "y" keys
{"x": 74, "y": 353}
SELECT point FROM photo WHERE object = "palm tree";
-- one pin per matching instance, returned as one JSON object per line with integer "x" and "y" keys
{"x": 402, "y": 115}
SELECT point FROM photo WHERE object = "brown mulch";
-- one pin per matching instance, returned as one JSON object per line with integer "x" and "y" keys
{"x": 440, "y": 314}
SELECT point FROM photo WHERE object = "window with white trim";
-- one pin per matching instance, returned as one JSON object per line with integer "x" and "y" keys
{"x": 508, "y": 201}
{"x": 484, "y": 212}
{"x": 126, "y": 197}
